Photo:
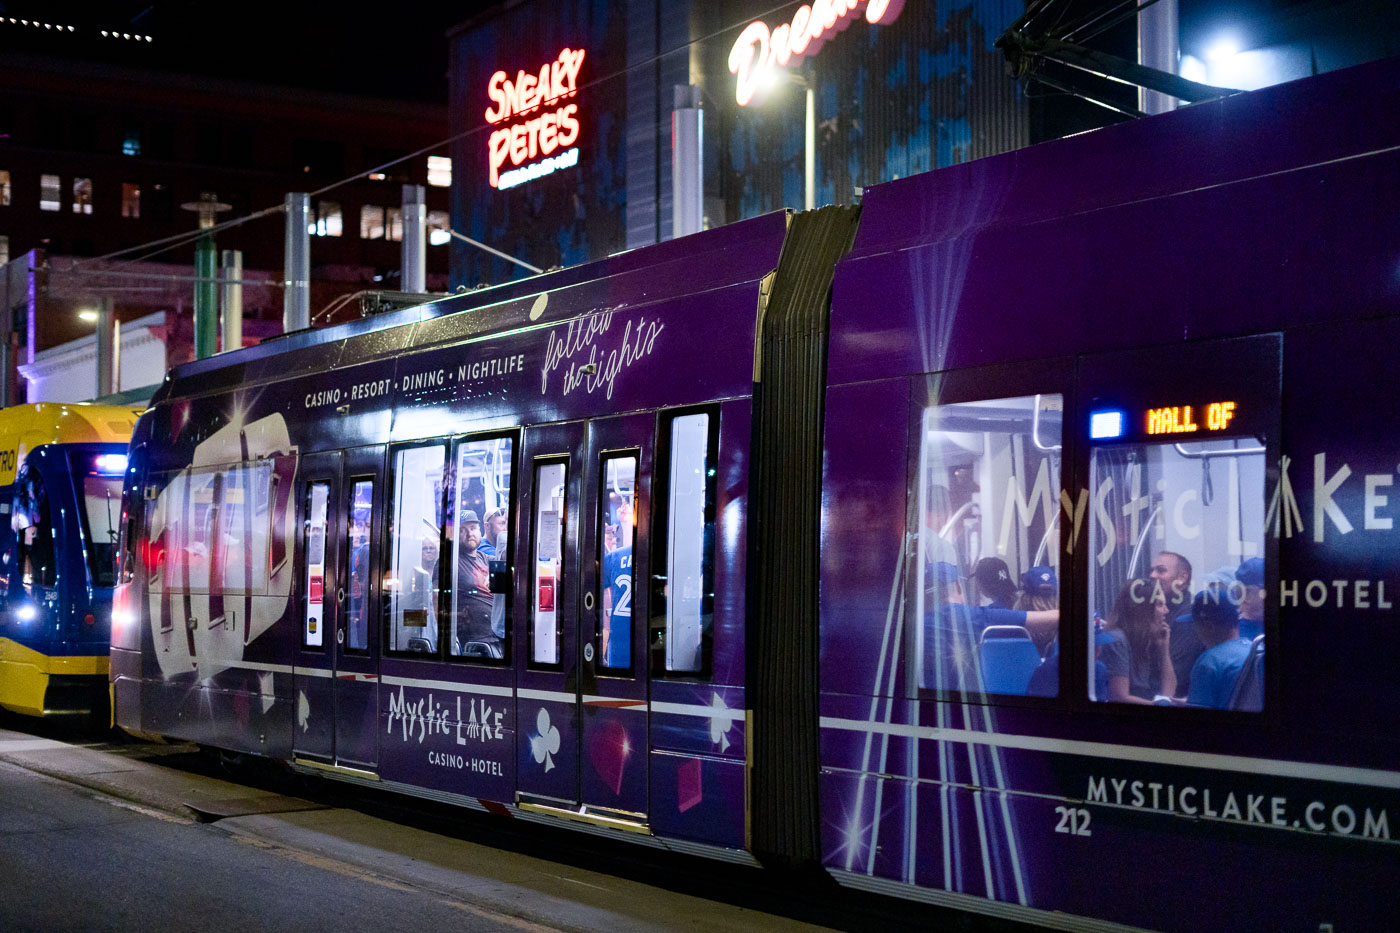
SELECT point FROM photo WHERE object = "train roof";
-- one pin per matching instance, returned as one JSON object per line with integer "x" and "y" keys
{"x": 1257, "y": 212}
{"x": 711, "y": 259}
{"x": 24, "y": 427}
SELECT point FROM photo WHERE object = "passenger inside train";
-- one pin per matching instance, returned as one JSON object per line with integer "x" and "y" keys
{"x": 1162, "y": 509}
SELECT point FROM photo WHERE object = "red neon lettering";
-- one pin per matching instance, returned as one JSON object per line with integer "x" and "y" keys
{"x": 758, "y": 50}
{"x": 545, "y": 131}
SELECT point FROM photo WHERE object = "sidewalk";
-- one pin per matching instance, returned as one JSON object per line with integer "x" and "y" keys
{"x": 538, "y": 892}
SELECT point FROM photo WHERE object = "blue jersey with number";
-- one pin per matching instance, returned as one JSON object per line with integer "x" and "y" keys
{"x": 617, "y": 576}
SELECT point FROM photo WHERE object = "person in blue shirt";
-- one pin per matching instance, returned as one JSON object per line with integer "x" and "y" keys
{"x": 1214, "y": 674}
{"x": 993, "y": 579}
{"x": 1251, "y": 577}
{"x": 617, "y": 608}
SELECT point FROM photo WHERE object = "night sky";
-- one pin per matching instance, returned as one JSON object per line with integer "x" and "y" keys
{"x": 396, "y": 50}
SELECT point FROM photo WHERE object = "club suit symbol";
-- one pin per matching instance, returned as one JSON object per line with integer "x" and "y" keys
{"x": 545, "y": 745}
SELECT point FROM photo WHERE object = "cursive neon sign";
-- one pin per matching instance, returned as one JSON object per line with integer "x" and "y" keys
{"x": 539, "y": 122}
{"x": 759, "y": 50}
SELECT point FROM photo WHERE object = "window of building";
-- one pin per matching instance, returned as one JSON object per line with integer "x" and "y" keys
{"x": 393, "y": 223}
{"x": 987, "y": 573}
{"x": 415, "y": 542}
{"x": 327, "y": 220}
{"x": 82, "y": 195}
{"x": 440, "y": 171}
{"x": 162, "y": 202}
{"x": 390, "y": 163}
{"x": 4, "y": 189}
{"x": 481, "y": 508}
{"x": 438, "y": 227}
{"x": 371, "y": 222}
{"x": 50, "y": 192}
{"x": 4, "y": 249}
{"x": 131, "y": 140}
{"x": 131, "y": 199}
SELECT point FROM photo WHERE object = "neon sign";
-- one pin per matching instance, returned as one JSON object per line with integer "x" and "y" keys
{"x": 542, "y": 123}
{"x": 758, "y": 50}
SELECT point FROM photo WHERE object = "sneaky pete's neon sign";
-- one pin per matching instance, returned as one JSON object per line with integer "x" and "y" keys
{"x": 538, "y": 120}
{"x": 758, "y": 50}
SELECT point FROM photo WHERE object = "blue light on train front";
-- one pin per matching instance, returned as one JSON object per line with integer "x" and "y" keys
{"x": 111, "y": 463}
{"x": 1105, "y": 425}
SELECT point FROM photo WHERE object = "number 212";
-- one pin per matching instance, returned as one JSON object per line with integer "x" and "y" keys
{"x": 1073, "y": 820}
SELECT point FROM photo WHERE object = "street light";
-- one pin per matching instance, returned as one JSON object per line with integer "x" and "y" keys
{"x": 809, "y": 138}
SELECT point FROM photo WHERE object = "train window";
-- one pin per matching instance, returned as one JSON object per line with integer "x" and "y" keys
{"x": 686, "y": 575}
{"x": 1176, "y": 578}
{"x": 213, "y": 529}
{"x": 314, "y": 544}
{"x": 481, "y": 496}
{"x": 987, "y": 567}
{"x": 415, "y": 541}
{"x": 616, "y": 584}
{"x": 102, "y": 499}
{"x": 33, "y": 526}
{"x": 357, "y": 545}
{"x": 546, "y": 635}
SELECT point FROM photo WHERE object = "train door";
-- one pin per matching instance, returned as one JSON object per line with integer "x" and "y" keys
{"x": 335, "y": 678}
{"x": 548, "y": 607}
{"x": 613, "y": 734}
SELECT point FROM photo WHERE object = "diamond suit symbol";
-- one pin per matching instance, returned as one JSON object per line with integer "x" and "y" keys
{"x": 545, "y": 745}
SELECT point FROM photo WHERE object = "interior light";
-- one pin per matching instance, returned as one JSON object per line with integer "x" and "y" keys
{"x": 110, "y": 463}
{"x": 87, "y": 314}
{"x": 1105, "y": 425}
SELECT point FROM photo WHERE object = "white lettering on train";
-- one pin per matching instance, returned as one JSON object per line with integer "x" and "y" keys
{"x": 484, "y": 369}
{"x": 1236, "y": 806}
{"x": 600, "y": 369}
{"x": 364, "y": 390}
{"x": 432, "y": 379}
{"x": 324, "y": 397}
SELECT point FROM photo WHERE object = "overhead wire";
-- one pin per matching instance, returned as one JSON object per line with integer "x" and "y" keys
{"x": 175, "y": 241}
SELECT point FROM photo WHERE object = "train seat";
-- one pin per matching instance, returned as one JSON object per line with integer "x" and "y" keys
{"x": 1009, "y": 657}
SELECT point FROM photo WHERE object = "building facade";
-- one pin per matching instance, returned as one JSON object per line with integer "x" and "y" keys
{"x": 898, "y": 88}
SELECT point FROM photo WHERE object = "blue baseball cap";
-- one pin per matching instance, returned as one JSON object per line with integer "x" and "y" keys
{"x": 1214, "y": 606}
{"x": 1251, "y": 572}
{"x": 1040, "y": 580}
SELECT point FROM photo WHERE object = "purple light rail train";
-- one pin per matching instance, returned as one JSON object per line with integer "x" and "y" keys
{"x": 1022, "y": 541}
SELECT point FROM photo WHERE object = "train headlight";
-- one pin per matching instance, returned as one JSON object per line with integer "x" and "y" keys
{"x": 27, "y": 613}
{"x": 111, "y": 464}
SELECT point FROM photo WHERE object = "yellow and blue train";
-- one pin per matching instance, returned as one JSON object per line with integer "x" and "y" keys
{"x": 61, "y": 469}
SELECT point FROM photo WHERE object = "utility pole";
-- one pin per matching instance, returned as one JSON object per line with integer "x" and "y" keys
{"x": 206, "y": 290}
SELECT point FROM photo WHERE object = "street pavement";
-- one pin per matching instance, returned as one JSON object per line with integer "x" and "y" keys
{"x": 101, "y": 835}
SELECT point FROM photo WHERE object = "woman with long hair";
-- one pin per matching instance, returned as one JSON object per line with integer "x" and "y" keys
{"x": 1138, "y": 656}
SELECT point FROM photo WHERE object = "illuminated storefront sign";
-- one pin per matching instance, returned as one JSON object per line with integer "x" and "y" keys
{"x": 539, "y": 122}
{"x": 759, "y": 50}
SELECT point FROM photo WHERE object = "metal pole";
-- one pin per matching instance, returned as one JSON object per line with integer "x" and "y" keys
{"x": 687, "y": 162}
{"x": 1158, "y": 47}
{"x": 809, "y": 180}
{"x": 232, "y": 299}
{"x": 107, "y": 348}
{"x": 206, "y": 297}
{"x": 414, "y": 277}
{"x": 296, "y": 283}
